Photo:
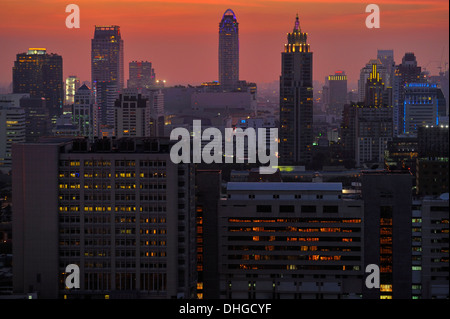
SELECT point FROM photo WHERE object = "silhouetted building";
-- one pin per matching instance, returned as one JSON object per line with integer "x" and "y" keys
{"x": 142, "y": 75}
{"x": 430, "y": 261}
{"x": 336, "y": 91}
{"x": 432, "y": 162}
{"x": 406, "y": 72}
{"x": 132, "y": 115}
{"x": 41, "y": 75}
{"x": 296, "y": 99}
{"x": 367, "y": 127}
{"x": 290, "y": 241}
{"x": 208, "y": 193}
{"x": 119, "y": 209}
{"x": 107, "y": 55}
{"x": 387, "y": 232}
{"x": 228, "y": 51}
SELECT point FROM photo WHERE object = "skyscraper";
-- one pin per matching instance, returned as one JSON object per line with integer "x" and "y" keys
{"x": 119, "y": 209}
{"x": 107, "y": 55}
{"x": 364, "y": 75}
{"x": 228, "y": 50}
{"x": 336, "y": 93}
{"x": 423, "y": 104}
{"x": 296, "y": 99}
{"x": 40, "y": 74}
{"x": 368, "y": 127}
{"x": 142, "y": 75}
{"x": 72, "y": 85}
{"x": 406, "y": 72}
{"x": 132, "y": 115}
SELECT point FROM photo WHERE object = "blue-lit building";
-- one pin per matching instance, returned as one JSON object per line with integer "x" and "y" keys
{"x": 424, "y": 105}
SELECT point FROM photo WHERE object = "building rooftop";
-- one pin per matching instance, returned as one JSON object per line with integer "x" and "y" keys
{"x": 269, "y": 186}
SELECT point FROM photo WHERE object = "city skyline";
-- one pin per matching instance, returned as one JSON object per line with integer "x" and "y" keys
{"x": 152, "y": 33}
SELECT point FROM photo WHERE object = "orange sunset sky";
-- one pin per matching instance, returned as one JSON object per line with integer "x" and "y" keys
{"x": 180, "y": 37}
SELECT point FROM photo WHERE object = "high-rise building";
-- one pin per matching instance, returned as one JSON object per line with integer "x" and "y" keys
{"x": 107, "y": 55}
{"x": 432, "y": 161}
{"x": 72, "y": 85}
{"x": 296, "y": 99}
{"x": 387, "y": 200}
{"x": 142, "y": 75}
{"x": 41, "y": 75}
{"x": 290, "y": 241}
{"x": 119, "y": 209}
{"x": 364, "y": 76}
{"x": 12, "y": 130}
{"x": 367, "y": 127}
{"x": 83, "y": 111}
{"x": 37, "y": 119}
{"x": 208, "y": 184}
{"x": 105, "y": 94}
{"x": 406, "y": 72}
{"x": 336, "y": 93}
{"x": 430, "y": 261}
{"x": 228, "y": 50}
{"x": 132, "y": 115}
{"x": 424, "y": 104}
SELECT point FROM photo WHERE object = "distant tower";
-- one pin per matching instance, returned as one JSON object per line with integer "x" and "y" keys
{"x": 107, "y": 55}
{"x": 40, "y": 74}
{"x": 336, "y": 90}
{"x": 142, "y": 75}
{"x": 406, "y": 72}
{"x": 296, "y": 99}
{"x": 228, "y": 50}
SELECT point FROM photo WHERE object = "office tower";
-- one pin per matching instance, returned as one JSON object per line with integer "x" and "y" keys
{"x": 386, "y": 58}
{"x": 72, "y": 85}
{"x": 296, "y": 99}
{"x": 12, "y": 130}
{"x": 37, "y": 119}
{"x": 107, "y": 55}
{"x": 367, "y": 127}
{"x": 105, "y": 94}
{"x": 208, "y": 184}
{"x": 424, "y": 104}
{"x": 387, "y": 200}
{"x": 430, "y": 248}
{"x": 432, "y": 161}
{"x": 406, "y": 72}
{"x": 40, "y": 74}
{"x": 119, "y": 209}
{"x": 142, "y": 75}
{"x": 364, "y": 76}
{"x": 228, "y": 50}
{"x": 132, "y": 115}
{"x": 83, "y": 111}
{"x": 336, "y": 91}
{"x": 290, "y": 241}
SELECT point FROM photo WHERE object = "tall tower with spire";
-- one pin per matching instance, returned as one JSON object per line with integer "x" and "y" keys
{"x": 229, "y": 50}
{"x": 296, "y": 99}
